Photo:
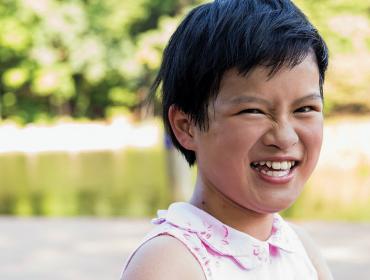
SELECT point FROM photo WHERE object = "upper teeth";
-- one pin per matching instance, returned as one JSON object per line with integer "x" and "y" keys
{"x": 277, "y": 165}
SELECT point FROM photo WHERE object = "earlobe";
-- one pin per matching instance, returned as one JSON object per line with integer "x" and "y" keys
{"x": 182, "y": 127}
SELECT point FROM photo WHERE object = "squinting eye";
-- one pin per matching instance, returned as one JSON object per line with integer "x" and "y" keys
{"x": 251, "y": 111}
{"x": 305, "y": 109}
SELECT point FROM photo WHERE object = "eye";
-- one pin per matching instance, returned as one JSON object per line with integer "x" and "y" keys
{"x": 305, "y": 109}
{"x": 251, "y": 111}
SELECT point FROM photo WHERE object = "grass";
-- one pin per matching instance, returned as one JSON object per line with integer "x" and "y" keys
{"x": 131, "y": 183}
{"x": 134, "y": 182}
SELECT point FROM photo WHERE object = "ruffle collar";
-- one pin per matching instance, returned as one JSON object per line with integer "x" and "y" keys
{"x": 247, "y": 251}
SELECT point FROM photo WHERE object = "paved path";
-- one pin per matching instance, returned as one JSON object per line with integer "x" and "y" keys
{"x": 87, "y": 248}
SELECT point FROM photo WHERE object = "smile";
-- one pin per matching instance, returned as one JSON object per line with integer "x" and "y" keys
{"x": 274, "y": 169}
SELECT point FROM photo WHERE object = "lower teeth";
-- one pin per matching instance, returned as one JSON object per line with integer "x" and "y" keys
{"x": 275, "y": 173}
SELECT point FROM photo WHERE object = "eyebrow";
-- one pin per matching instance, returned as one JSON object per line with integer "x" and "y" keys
{"x": 313, "y": 96}
{"x": 251, "y": 99}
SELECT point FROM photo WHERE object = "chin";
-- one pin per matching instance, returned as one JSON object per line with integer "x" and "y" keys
{"x": 284, "y": 205}
{"x": 277, "y": 205}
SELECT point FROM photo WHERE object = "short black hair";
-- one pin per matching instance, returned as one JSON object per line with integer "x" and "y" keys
{"x": 225, "y": 34}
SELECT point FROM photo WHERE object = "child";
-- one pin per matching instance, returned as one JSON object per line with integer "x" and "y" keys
{"x": 242, "y": 98}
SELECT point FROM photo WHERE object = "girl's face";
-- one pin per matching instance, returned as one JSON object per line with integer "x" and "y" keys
{"x": 264, "y": 136}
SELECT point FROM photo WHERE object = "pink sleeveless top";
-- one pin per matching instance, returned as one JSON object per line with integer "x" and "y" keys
{"x": 226, "y": 253}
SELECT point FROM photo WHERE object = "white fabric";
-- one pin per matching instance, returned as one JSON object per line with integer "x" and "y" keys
{"x": 226, "y": 253}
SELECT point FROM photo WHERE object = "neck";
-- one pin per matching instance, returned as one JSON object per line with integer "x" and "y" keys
{"x": 214, "y": 202}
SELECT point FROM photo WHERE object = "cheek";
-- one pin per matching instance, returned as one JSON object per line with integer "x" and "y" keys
{"x": 316, "y": 136}
{"x": 223, "y": 153}
{"x": 246, "y": 134}
{"x": 313, "y": 136}
{"x": 236, "y": 137}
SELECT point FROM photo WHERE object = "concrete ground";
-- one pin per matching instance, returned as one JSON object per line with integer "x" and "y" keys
{"x": 89, "y": 248}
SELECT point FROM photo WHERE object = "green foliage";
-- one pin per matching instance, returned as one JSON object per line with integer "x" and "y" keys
{"x": 345, "y": 26}
{"x": 71, "y": 57}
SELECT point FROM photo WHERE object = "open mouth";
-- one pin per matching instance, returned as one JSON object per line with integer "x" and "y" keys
{"x": 275, "y": 168}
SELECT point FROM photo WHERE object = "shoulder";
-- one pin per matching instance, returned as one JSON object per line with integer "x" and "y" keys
{"x": 313, "y": 252}
{"x": 163, "y": 257}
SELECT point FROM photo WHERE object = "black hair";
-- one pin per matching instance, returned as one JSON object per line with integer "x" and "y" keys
{"x": 225, "y": 34}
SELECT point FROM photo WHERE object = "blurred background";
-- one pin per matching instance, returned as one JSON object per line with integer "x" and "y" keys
{"x": 76, "y": 138}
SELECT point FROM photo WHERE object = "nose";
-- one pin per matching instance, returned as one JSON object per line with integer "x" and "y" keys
{"x": 282, "y": 135}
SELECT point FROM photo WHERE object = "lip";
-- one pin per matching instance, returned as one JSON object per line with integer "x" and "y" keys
{"x": 278, "y": 158}
{"x": 276, "y": 180}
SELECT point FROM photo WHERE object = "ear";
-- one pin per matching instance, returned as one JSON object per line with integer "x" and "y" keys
{"x": 182, "y": 127}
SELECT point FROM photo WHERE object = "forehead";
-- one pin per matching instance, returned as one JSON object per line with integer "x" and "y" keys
{"x": 287, "y": 82}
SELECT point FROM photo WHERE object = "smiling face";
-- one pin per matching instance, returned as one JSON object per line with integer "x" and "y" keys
{"x": 264, "y": 136}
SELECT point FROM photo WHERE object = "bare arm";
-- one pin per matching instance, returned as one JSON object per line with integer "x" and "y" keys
{"x": 163, "y": 258}
{"x": 314, "y": 253}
